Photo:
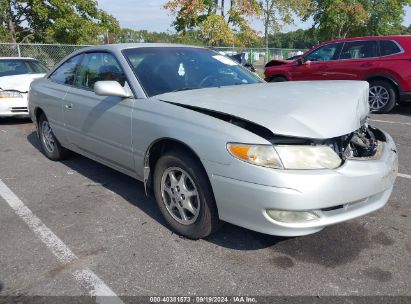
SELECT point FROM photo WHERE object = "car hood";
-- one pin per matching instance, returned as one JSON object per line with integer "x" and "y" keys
{"x": 312, "y": 109}
{"x": 19, "y": 83}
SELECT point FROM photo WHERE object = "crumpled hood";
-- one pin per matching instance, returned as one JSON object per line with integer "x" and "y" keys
{"x": 309, "y": 109}
{"x": 19, "y": 83}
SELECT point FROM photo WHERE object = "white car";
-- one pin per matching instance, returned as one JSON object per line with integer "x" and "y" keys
{"x": 16, "y": 74}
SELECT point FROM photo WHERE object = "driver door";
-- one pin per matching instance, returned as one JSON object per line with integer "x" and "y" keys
{"x": 99, "y": 126}
{"x": 316, "y": 64}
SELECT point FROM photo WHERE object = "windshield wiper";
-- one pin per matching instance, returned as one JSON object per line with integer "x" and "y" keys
{"x": 185, "y": 89}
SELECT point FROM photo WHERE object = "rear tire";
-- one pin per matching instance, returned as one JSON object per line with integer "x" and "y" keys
{"x": 382, "y": 97}
{"x": 50, "y": 146}
{"x": 184, "y": 195}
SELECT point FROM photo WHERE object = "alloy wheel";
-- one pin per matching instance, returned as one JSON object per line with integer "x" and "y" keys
{"x": 180, "y": 196}
{"x": 378, "y": 97}
{"x": 47, "y": 137}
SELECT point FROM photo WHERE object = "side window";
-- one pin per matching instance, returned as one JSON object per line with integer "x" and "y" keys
{"x": 66, "y": 72}
{"x": 325, "y": 53}
{"x": 389, "y": 47}
{"x": 96, "y": 67}
{"x": 359, "y": 50}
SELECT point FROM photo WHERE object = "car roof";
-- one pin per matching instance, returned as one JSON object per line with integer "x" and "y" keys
{"x": 123, "y": 46}
{"x": 392, "y": 37}
{"x": 17, "y": 58}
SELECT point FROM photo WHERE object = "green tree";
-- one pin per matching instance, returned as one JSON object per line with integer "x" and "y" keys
{"x": 348, "y": 18}
{"x": 299, "y": 39}
{"x": 338, "y": 18}
{"x": 276, "y": 13}
{"x": 69, "y": 21}
{"x": 215, "y": 31}
{"x": 214, "y": 17}
{"x": 384, "y": 16}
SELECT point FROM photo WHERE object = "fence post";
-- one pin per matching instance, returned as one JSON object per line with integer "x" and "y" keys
{"x": 18, "y": 49}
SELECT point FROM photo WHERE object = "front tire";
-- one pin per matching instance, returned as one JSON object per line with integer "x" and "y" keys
{"x": 382, "y": 97}
{"x": 184, "y": 195}
{"x": 278, "y": 79}
{"x": 50, "y": 146}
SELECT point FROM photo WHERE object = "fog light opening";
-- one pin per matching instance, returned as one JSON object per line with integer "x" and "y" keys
{"x": 293, "y": 216}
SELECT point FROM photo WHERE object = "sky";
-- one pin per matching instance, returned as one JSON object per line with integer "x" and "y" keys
{"x": 149, "y": 15}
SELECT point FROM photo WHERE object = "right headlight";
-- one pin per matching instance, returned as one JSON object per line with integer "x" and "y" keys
{"x": 293, "y": 157}
{"x": 301, "y": 157}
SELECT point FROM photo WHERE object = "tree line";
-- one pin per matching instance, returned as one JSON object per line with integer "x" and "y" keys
{"x": 205, "y": 22}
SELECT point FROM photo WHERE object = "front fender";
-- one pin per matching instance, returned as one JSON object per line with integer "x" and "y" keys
{"x": 207, "y": 136}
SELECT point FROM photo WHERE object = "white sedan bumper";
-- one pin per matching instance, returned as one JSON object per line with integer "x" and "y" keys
{"x": 14, "y": 107}
{"x": 355, "y": 189}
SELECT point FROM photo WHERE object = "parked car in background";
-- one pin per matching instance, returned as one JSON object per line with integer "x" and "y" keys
{"x": 240, "y": 58}
{"x": 213, "y": 142}
{"x": 277, "y": 62}
{"x": 16, "y": 75}
{"x": 382, "y": 61}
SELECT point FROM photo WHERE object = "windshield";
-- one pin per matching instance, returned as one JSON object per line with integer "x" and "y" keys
{"x": 10, "y": 67}
{"x": 162, "y": 70}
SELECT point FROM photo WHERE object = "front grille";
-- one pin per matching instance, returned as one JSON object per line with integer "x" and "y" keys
{"x": 19, "y": 110}
{"x": 333, "y": 208}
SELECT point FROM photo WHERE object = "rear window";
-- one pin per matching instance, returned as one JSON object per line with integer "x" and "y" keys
{"x": 359, "y": 49}
{"x": 389, "y": 47}
{"x": 9, "y": 67}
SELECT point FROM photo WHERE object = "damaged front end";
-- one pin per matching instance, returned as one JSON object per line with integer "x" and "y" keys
{"x": 363, "y": 144}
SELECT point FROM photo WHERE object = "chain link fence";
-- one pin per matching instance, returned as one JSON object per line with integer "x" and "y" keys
{"x": 50, "y": 54}
{"x": 258, "y": 56}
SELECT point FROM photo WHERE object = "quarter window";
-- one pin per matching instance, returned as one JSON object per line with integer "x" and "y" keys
{"x": 66, "y": 72}
{"x": 97, "y": 67}
{"x": 359, "y": 50}
{"x": 389, "y": 47}
{"x": 325, "y": 53}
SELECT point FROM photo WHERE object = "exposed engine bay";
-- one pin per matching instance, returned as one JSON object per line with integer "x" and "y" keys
{"x": 362, "y": 143}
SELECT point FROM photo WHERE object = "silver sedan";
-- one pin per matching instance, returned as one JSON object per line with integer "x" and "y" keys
{"x": 212, "y": 142}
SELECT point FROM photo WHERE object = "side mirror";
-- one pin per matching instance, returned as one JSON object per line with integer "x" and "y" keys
{"x": 110, "y": 88}
{"x": 300, "y": 61}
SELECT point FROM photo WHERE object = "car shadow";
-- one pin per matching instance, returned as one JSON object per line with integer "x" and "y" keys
{"x": 229, "y": 236}
{"x": 14, "y": 121}
{"x": 402, "y": 110}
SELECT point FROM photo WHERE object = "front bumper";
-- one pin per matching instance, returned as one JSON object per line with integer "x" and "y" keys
{"x": 357, "y": 188}
{"x": 14, "y": 107}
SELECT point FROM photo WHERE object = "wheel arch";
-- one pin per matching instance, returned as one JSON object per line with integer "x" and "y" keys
{"x": 387, "y": 78}
{"x": 37, "y": 112}
{"x": 153, "y": 153}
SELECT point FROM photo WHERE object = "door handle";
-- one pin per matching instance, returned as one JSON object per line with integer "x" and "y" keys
{"x": 68, "y": 106}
